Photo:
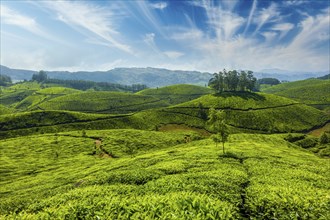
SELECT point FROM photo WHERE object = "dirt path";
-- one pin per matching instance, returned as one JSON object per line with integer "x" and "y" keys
{"x": 319, "y": 131}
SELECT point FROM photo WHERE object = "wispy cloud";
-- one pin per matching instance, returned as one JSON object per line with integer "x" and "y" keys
{"x": 159, "y": 5}
{"x": 283, "y": 28}
{"x": 266, "y": 15}
{"x": 173, "y": 54}
{"x": 15, "y": 18}
{"x": 90, "y": 19}
{"x": 251, "y": 14}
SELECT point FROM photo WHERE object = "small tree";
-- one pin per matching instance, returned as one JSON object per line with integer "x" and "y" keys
{"x": 218, "y": 125}
{"x": 324, "y": 139}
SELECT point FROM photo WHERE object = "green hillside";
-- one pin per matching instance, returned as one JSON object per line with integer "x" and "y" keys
{"x": 256, "y": 111}
{"x": 245, "y": 112}
{"x": 33, "y": 101}
{"x": 103, "y": 102}
{"x": 175, "y": 94}
{"x": 17, "y": 92}
{"x": 314, "y": 92}
{"x": 134, "y": 174}
{"x": 5, "y": 110}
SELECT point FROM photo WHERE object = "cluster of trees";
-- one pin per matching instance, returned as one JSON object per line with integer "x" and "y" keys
{"x": 42, "y": 77}
{"x": 269, "y": 81}
{"x": 98, "y": 86}
{"x": 5, "y": 80}
{"x": 233, "y": 81}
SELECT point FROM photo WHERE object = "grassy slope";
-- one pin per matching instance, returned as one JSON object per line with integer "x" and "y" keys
{"x": 258, "y": 111}
{"x": 175, "y": 94}
{"x": 249, "y": 113}
{"x": 33, "y": 101}
{"x": 5, "y": 110}
{"x": 16, "y": 93}
{"x": 105, "y": 102}
{"x": 311, "y": 91}
{"x": 57, "y": 177}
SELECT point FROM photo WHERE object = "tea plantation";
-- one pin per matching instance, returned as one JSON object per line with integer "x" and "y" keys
{"x": 64, "y": 176}
{"x": 72, "y": 154}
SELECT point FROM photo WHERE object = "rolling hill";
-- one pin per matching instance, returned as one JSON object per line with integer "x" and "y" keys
{"x": 103, "y": 102}
{"x": 315, "y": 92}
{"x": 176, "y": 94}
{"x": 245, "y": 112}
{"x": 256, "y": 111}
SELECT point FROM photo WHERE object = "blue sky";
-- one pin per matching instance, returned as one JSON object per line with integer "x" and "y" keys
{"x": 188, "y": 35}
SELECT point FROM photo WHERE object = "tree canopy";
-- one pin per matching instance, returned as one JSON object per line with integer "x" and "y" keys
{"x": 233, "y": 80}
{"x": 4, "y": 80}
{"x": 41, "y": 76}
{"x": 217, "y": 121}
{"x": 269, "y": 81}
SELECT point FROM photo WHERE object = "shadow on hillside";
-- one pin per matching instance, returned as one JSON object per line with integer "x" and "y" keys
{"x": 243, "y": 95}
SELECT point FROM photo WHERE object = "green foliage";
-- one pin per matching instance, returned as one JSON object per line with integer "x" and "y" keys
{"x": 232, "y": 80}
{"x": 98, "y": 86}
{"x": 311, "y": 91}
{"x": 324, "y": 139}
{"x": 260, "y": 177}
{"x": 176, "y": 94}
{"x": 5, "y": 80}
{"x": 257, "y": 111}
{"x": 217, "y": 122}
{"x": 5, "y": 110}
{"x": 41, "y": 76}
{"x": 102, "y": 102}
{"x": 269, "y": 81}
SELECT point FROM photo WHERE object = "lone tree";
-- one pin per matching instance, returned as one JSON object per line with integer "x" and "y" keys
{"x": 219, "y": 127}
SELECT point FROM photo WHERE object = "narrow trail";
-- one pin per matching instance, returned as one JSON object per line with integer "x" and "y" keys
{"x": 243, "y": 209}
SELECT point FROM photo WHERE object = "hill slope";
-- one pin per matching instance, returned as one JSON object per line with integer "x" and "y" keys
{"x": 314, "y": 92}
{"x": 102, "y": 102}
{"x": 67, "y": 176}
{"x": 257, "y": 111}
{"x": 175, "y": 94}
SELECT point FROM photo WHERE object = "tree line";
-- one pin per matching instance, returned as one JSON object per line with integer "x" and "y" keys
{"x": 5, "y": 80}
{"x": 42, "y": 77}
{"x": 233, "y": 80}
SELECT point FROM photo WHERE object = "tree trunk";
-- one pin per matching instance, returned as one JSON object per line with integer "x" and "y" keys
{"x": 223, "y": 147}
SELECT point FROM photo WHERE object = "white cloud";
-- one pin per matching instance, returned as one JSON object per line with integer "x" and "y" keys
{"x": 266, "y": 15}
{"x": 284, "y": 28}
{"x": 173, "y": 54}
{"x": 251, "y": 14}
{"x": 90, "y": 19}
{"x": 15, "y": 18}
{"x": 159, "y": 5}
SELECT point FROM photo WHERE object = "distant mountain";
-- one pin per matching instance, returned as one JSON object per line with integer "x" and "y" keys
{"x": 152, "y": 77}
{"x": 17, "y": 74}
{"x": 285, "y": 75}
{"x": 325, "y": 77}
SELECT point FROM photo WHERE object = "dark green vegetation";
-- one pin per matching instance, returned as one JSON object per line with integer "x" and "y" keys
{"x": 233, "y": 80}
{"x": 314, "y": 92}
{"x": 151, "y": 155}
{"x": 5, "y": 80}
{"x": 176, "y": 94}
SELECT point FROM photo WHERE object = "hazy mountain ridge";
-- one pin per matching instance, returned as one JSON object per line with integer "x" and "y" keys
{"x": 285, "y": 75}
{"x": 152, "y": 77}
